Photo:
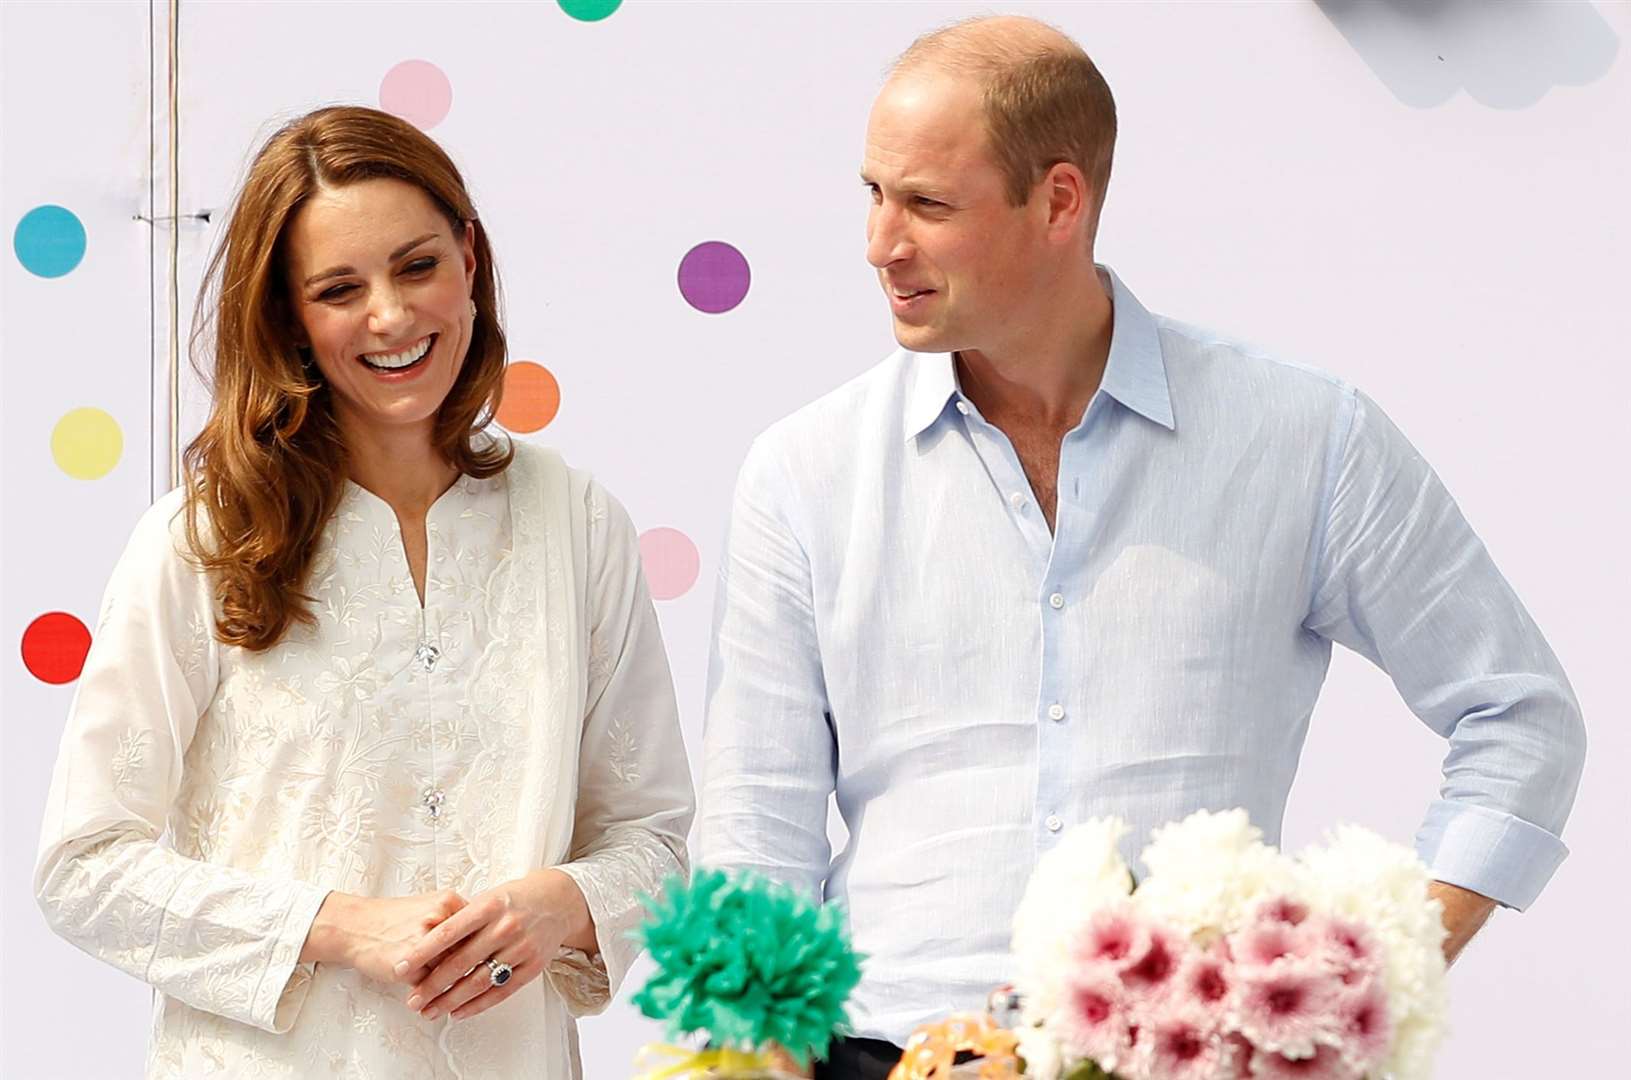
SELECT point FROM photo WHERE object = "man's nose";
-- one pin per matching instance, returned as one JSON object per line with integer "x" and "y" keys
{"x": 886, "y": 240}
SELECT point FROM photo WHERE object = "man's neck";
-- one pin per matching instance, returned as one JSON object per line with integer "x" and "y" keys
{"x": 1047, "y": 372}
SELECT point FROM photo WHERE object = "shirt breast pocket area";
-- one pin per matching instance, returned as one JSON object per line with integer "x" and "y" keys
{"x": 899, "y": 675}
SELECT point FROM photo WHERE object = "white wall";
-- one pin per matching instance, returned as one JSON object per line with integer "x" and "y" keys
{"x": 1447, "y": 233}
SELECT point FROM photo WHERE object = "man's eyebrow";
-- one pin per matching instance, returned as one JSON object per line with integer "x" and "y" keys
{"x": 341, "y": 271}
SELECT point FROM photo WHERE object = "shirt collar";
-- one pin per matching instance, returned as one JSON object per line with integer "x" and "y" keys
{"x": 1135, "y": 373}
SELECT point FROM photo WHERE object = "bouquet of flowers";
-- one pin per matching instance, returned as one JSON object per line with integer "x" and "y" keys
{"x": 743, "y": 965}
{"x": 1230, "y": 960}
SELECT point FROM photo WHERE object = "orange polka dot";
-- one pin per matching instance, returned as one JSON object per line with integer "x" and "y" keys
{"x": 532, "y": 397}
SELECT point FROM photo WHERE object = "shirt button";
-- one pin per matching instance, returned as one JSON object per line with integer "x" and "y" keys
{"x": 432, "y": 802}
{"x": 1054, "y": 823}
{"x": 1056, "y": 711}
{"x": 425, "y": 656}
{"x": 962, "y": 407}
{"x": 1017, "y": 501}
{"x": 1056, "y": 601}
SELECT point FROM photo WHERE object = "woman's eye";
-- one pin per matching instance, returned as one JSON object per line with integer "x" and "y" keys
{"x": 421, "y": 266}
{"x": 335, "y": 293}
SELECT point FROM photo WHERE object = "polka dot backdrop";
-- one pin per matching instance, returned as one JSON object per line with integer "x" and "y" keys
{"x": 671, "y": 562}
{"x": 418, "y": 91}
{"x": 54, "y": 647}
{"x": 714, "y": 277}
{"x": 558, "y": 112}
{"x": 49, "y": 241}
{"x": 86, "y": 443}
{"x": 590, "y": 10}
{"x": 531, "y": 399}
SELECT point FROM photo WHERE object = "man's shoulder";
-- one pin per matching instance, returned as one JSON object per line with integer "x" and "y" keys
{"x": 866, "y": 408}
{"x": 1202, "y": 362}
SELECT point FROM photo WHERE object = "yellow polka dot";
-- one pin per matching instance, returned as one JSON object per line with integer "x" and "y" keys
{"x": 86, "y": 443}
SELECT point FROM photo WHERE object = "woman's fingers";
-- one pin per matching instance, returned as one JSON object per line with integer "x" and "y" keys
{"x": 487, "y": 995}
{"x": 446, "y": 935}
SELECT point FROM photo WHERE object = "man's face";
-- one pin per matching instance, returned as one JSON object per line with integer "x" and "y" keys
{"x": 957, "y": 263}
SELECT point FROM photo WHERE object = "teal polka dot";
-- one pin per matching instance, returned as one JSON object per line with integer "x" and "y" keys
{"x": 589, "y": 10}
{"x": 49, "y": 241}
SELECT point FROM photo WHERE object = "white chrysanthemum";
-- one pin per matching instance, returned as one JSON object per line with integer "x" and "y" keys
{"x": 1209, "y": 870}
{"x": 1358, "y": 874}
{"x": 1082, "y": 873}
{"x": 1041, "y": 1053}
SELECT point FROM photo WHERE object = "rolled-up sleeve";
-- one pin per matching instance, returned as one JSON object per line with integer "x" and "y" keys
{"x": 768, "y": 750}
{"x": 1401, "y": 578}
{"x": 635, "y": 800}
{"x": 215, "y": 937}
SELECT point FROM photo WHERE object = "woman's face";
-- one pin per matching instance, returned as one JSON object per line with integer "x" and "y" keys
{"x": 381, "y": 283}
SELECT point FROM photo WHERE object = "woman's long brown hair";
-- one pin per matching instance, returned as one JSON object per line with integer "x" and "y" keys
{"x": 266, "y": 472}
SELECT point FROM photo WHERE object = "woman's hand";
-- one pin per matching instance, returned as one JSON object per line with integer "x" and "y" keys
{"x": 372, "y": 934}
{"x": 521, "y": 923}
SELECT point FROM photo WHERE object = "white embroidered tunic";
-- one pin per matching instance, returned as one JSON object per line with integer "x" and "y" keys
{"x": 207, "y": 798}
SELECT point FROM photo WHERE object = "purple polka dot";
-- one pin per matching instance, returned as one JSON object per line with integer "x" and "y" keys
{"x": 671, "y": 562}
{"x": 714, "y": 277}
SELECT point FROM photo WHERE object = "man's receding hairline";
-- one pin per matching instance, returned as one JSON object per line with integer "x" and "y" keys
{"x": 984, "y": 46}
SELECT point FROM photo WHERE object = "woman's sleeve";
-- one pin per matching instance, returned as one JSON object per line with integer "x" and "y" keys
{"x": 635, "y": 799}
{"x": 214, "y": 937}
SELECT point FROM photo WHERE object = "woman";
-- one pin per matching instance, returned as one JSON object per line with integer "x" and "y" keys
{"x": 391, "y": 690}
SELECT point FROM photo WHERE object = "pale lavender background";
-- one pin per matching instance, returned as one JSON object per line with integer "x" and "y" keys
{"x": 1426, "y": 198}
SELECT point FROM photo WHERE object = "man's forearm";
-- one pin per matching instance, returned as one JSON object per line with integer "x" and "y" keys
{"x": 1464, "y": 912}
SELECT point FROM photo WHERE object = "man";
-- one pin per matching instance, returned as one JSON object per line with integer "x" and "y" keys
{"x": 1058, "y": 558}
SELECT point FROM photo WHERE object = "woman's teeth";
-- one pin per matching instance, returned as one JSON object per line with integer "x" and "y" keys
{"x": 398, "y": 361}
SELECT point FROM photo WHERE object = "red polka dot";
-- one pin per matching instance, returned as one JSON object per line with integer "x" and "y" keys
{"x": 54, "y": 647}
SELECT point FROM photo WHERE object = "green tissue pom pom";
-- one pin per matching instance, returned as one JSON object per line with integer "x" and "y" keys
{"x": 748, "y": 962}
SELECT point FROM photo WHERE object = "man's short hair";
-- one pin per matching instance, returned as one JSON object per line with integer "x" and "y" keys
{"x": 1045, "y": 101}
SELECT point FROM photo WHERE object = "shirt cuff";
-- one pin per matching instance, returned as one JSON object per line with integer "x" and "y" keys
{"x": 1490, "y": 852}
{"x": 283, "y": 987}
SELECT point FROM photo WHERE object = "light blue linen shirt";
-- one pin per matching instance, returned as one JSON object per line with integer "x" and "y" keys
{"x": 895, "y": 624}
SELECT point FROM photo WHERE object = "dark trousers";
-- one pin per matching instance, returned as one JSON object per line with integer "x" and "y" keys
{"x": 861, "y": 1059}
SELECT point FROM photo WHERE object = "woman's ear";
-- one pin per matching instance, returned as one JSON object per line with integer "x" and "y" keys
{"x": 467, "y": 242}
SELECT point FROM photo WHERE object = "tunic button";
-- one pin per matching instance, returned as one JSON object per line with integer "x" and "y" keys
{"x": 1056, "y": 711}
{"x": 433, "y": 802}
{"x": 1017, "y": 501}
{"x": 1054, "y": 823}
{"x": 1056, "y": 601}
{"x": 425, "y": 656}
{"x": 962, "y": 408}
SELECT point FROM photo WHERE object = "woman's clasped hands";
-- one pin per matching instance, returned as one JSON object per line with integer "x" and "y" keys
{"x": 454, "y": 956}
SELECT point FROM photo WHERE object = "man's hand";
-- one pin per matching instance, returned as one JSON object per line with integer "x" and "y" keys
{"x": 1464, "y": 912}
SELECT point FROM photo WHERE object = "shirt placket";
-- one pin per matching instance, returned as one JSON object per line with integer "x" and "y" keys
{"x": 1060, "y": 595}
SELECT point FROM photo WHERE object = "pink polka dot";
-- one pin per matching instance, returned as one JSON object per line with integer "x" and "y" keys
{"x": 417, "y": 91}
{"x": 671, "y": 562}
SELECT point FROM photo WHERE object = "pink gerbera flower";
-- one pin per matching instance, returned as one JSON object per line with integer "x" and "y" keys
{"x": 1286, "y": 1006}
{"x": 1363, "y": 1030}
{"x": 1325, "y": 1063}
{"x": 1281, "y": 909}
{"x": 1266, "y": 943}
{"x": 1092, "y": 1021}
{"x": 1114, "y": 936}
{"x": 1181, "y": 1042}
{"x": 1205, "y": 979}
{"x": 1151, "y": 973}
{"x": 1350, "y": 946}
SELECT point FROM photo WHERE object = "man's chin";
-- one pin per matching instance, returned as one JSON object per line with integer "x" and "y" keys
{"x": 922, "y": 339}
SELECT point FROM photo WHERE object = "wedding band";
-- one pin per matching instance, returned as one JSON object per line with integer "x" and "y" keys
{"x": 499, "y": 971}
